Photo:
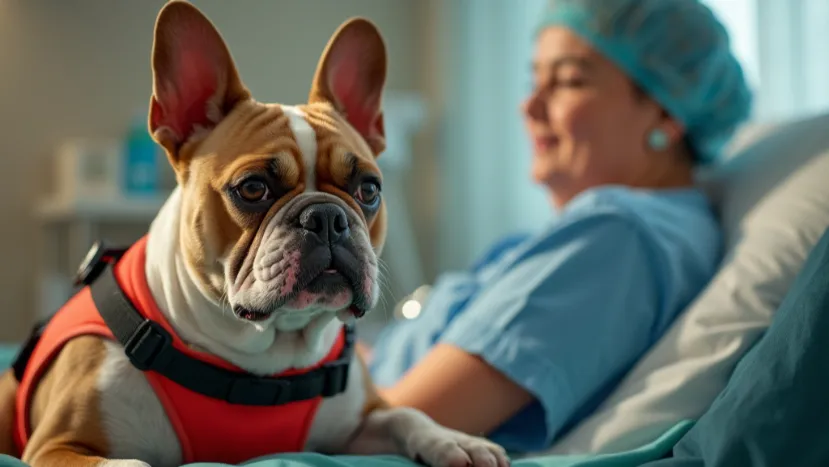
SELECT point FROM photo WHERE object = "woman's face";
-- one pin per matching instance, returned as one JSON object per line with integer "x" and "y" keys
{"x": 589, "y": 126}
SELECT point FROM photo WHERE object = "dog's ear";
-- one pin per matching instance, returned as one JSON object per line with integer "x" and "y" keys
{"x": 195, "y": 82}
{"x": 351, "y": 75}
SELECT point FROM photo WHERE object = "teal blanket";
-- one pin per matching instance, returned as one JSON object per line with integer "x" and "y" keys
{"x": 651, "y": 452}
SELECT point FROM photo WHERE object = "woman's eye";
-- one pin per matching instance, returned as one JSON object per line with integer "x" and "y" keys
{"x": 368, "y": 193}
{"x": 569, "y": 82}
{"x": 253, "y": 191}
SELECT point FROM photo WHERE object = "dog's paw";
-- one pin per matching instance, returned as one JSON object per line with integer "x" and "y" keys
{"x": 449, "y": 448}
{"x": 124, "y": 463}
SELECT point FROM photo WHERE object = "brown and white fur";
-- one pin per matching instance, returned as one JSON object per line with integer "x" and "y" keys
{"x": 233, "y": 275}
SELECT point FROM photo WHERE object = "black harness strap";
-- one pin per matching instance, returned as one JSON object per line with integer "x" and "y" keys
{"x": 149, "y": 348}
{"x": 25, "y": 352}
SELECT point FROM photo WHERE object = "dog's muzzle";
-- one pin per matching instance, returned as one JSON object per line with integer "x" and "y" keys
{"x": 332, "y": 258}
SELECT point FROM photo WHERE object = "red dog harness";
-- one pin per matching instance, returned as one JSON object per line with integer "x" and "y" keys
{"x": 219, "y": 412}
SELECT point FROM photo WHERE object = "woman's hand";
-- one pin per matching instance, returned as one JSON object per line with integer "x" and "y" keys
{"x": 459, "y": 391}
{"x": 363, "y": 351}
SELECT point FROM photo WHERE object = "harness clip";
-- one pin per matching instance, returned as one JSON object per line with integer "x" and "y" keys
{"x": 96, "y": 259}
{"x": 148, "y": 348}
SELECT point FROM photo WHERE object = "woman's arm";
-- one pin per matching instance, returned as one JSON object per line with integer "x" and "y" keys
{"x": 363, "y": 351}
{"x": 557, "y": 327}
{"x": 459, "y": 390}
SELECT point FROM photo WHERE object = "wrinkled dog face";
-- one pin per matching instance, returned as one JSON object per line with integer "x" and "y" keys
{"x": 282, "y": 208}
{"x": 310, "y": 248}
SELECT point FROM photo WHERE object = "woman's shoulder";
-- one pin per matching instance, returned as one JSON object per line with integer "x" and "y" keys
{"x": 677, "y": 223}
{"x": 678, "y": 226}
{"x": 651, "y": 210}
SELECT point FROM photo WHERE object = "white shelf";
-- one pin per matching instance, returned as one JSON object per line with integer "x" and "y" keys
{"x": 103, "y": 210}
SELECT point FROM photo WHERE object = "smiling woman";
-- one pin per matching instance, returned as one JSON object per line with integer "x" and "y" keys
{"x": 528, "y": 341}
{"x": 574, "y": 120}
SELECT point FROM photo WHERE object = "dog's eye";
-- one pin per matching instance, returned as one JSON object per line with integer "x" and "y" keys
{"x": 368, "y": 193}
{"x": 253, "y": 190}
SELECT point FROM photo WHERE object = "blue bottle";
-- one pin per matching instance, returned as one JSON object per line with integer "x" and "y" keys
{"x": 141, "y": 160}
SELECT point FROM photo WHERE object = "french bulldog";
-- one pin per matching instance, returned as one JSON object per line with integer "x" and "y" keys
{"x": 257, "y": 264}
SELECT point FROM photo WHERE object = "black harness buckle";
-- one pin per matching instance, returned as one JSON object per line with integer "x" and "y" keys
{"x": 337, "y": 378}
{"x": 259, "y": 391}
{"x": 148, "y": 348}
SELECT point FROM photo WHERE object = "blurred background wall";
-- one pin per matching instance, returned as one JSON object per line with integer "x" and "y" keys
{"x": 78, "y": 70}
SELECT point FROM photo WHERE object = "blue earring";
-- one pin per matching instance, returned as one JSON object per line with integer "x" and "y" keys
{"x": 658, "y": 140}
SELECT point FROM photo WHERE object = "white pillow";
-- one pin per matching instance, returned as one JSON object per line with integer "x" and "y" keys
{"x": 774, "y": 203}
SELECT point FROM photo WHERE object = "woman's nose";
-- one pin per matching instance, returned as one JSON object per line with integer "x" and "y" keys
{"x": 534, "y": 107}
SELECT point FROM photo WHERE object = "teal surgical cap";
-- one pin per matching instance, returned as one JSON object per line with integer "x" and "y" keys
{"x": 677, "y": 52}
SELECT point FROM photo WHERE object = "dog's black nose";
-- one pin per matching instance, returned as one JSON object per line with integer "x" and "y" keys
{"x": 327, "y": 220}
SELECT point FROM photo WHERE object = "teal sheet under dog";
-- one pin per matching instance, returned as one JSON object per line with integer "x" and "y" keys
{"x": 637, "y": 457}
{"x": 653, "y": 451}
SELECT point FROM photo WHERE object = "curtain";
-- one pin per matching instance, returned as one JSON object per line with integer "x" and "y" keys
{"x": 483, "y": 152}
{"x": 793, "y": 59}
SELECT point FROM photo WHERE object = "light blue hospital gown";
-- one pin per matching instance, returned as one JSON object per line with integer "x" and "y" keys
{"x": 567, "y": 311}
